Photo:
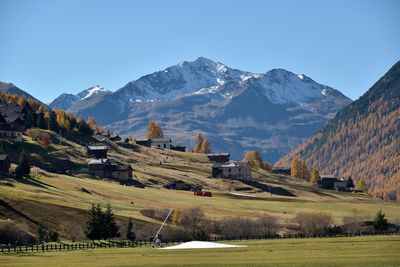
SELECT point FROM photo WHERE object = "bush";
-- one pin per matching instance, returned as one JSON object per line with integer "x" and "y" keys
{"x": 312, "y": 224}
{"x": 237, "y": 227}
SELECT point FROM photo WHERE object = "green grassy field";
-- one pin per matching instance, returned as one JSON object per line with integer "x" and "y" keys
{"x": 60, "y": 202}
{"x": 355, "y": 251}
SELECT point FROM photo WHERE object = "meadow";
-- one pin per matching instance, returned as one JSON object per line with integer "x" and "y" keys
{"x": 352, "y": 251}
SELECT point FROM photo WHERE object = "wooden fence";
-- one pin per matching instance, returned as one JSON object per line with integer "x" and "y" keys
{"x": 5, "y": 249}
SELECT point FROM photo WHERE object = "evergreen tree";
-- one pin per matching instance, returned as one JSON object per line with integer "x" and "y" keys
{"x": 111, "y": 229}
{"x": 314, "y": 177}
{"x": 130, "y": 235}
{"x": 23, "y": 169}
{"x": 52, "y": 123}
{"x": 41, "y": 234}
{"x": 380, "y": 222}
{"x": 349, "y": 183}
{"x": 95, "y": 225}
{"x": 41, "y": 122}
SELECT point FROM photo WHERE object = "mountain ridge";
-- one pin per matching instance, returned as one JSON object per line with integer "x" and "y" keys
{"x": 362, "y": 139}
{"x": 235, "y": 109}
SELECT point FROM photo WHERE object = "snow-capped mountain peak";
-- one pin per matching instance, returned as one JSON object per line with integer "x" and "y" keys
{"x": 65, "y": 101}
{"x": 94, "y": 90}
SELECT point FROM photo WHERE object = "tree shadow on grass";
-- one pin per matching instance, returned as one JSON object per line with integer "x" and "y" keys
{"x": 280, "y": 191}
{"x": 32, "y": 182}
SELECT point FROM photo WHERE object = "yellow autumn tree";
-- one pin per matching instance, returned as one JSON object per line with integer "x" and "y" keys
{"x": 205, "y": 147}
{"x": 154, "y": 130}
{"x": 361, "y": 185}
{"x": 299, "y": 168}
{"x": 198, "y": 142}
{"x": 177, "y": 217}
{"x": 314, "y": 177}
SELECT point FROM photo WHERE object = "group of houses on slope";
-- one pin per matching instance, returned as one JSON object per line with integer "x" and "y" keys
{"x": 101, "y": 166}
{"x": 12, "y": 121}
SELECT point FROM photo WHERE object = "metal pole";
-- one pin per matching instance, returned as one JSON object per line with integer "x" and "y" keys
{"x": 166, "y": 218}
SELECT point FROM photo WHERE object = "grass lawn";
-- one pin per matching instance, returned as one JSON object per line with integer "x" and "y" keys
{"x": 355, "y": 251}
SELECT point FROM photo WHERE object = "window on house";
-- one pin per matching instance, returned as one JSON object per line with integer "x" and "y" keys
{"x": 165, "y": 145}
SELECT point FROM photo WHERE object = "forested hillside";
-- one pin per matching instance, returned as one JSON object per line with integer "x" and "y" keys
{"x": 363, "y": 140}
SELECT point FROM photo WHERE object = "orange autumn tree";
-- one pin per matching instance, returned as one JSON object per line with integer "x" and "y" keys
{"x": 154, "y": 130}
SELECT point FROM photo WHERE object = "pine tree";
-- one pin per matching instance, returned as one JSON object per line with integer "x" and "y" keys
{"x": 349, "y": 183}
{"x": 130, "y": 235}
{"x": 95, "y": 225}
{"x": 314, "y": 177}
{"x": 205, "y": 147}
{"x": 110, "y": 226}
{"x": 52, "y": 123}
{"x": 41, "y": 234}
{"x": 380, "y": 222}
{"x": 23, "y": 168}
{"x": 41, "y": 122}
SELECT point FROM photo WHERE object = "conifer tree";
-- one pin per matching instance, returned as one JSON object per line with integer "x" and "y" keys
{"x": 41, "y": 234}
{"x": 52, "y": 123}
{"x": 95, "y": 225}
{"x": 380, "y": 222}
{"x": 130, "y": 235}
{"x": 110, "y": 226}
{"x": 41, "y": 122}
{"x": 23, "y": 168}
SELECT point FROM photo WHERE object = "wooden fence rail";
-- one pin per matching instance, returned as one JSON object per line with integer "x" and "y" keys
{"x": 141, "y": 243}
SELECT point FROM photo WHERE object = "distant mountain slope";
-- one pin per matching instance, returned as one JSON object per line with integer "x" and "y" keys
{"x": 363, "y": 140}
{"x": 12, "y": 89}
{"x": 237, "y": 110}
{"x": 65, "y": 101}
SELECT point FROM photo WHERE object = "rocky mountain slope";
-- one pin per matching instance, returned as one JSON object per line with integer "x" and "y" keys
{"x": 363, "y": 140}
{"x": 12, "y": 89}
{"x": 236, "y": 110}
{"x": 65, "y": 101}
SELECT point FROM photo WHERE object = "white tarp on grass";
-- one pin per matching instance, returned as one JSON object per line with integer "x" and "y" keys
{"x": 202, "y": 244}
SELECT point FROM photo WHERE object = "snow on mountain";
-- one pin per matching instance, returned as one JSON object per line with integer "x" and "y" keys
{"x": 182, "y": 79}
{"x": 272, "y": 112}
{"x": 282, "y": 87}
{"x": 92, "y": 91}
{"x": 66, "y": 101}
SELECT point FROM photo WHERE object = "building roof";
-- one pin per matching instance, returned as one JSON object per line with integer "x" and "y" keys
{"x": 218, "y": 155}
{"x": 160, "y": 139}
{"x": 231, "y": 164}
{"x": 98, "y": 147}
{"x": 3, "y": 157}
{"x": 98, "y": 161}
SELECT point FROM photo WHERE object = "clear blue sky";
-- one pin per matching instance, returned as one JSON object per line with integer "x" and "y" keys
{"x": 51, "y": 47}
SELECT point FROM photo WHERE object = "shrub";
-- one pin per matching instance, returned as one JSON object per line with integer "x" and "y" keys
{"x": 312, "y": 224}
